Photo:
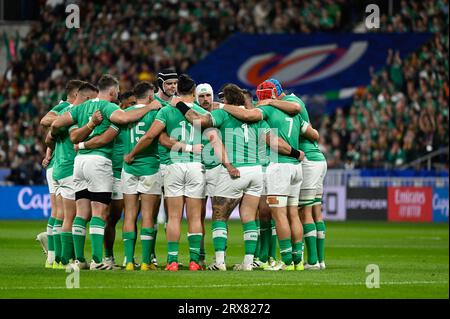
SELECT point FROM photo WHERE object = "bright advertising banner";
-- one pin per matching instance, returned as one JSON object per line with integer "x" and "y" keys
{"x": 440, "y": 204}
{"x": 24, "y": 202}
{"x": 410, "y": 204}
{"x": 329, "y": 65}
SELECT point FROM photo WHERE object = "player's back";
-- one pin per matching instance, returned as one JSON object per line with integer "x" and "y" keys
{"x": 285, "y": 126}
{"x": 243, "y": 141}
{"x": 82, "y": 115}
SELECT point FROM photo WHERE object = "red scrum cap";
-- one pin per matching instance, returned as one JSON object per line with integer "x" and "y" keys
{"x": 266, "y": 90}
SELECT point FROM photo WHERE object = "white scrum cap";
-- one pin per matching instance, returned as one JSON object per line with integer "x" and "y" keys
{"x": 202, "y": 89}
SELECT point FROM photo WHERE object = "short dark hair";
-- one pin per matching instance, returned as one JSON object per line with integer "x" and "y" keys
{"x": 186, "y": 85}
{"x": 248, "y": 93}
{"x": 125, "y": 95}
{"x": 73, "y": 85}
{"x": 233, "y": 94}
{"x": 142, "y": 89}
{"x": 106, "y": 81}
{"x": 86, "y": 86}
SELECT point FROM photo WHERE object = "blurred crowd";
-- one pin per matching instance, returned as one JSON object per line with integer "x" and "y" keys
{"x": 399, "y": 116}
{"x": 417, "y": 16}
{"x": 402, "y": 115}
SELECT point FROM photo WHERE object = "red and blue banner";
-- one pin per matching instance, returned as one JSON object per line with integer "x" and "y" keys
{"x": 324, "y": 64}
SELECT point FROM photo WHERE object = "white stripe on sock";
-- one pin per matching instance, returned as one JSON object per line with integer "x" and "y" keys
{"x": 321, "y": 234}
{"x": 312, "y": 233}
{"x": 251, "y": 236}
{"x": 96, "y": 231}
{"x": 222, "y": 233}
{"x": 78, "y": 231}
{"x": 193, "y": 234}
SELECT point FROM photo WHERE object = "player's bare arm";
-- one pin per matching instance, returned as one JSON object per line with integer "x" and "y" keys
{"x": 98, "y": 141}
{"x": 220, "y": 152}
{"x": 175, "y": 145}
{"x": 78, "y": 135}
{"x": 310, "y": 133}
{"x": 121, "y": 117}
{"x": 243, "y": 114}
{"x": 204, "y": 121}
{"x": 280, "y": 146}
{"x": 145, "y": 141}
{"x": 291, "y": 108}
{"x": 48, "y": 157}
{"x": 60, "y": 122}
{"x": 48, "y": 119}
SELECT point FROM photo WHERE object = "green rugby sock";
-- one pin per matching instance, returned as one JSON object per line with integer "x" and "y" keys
{"x": 67, "y": 247}
{"x": 172, "y": 251}
{"x": 320, "y": 241}
{"x": 51, "y": 242}
{"x": 220, "y": 236}
{"x": 310, "y": 237}
{"x": 129, "y": 240}
{"x": 195, "y": 240}
{"x": 57, "y": 239}
{"x": 97, "y": 232}
{"x": 147, "y": 239}
{"x": 297, "y": 251}
{"x": 265, "y": 239}
{"x": 250, "y": 238}
{"x": 258, "y": 241}
{"x": 79, "y": 237}
{"x": 286, "y": 250}
{"x": 202, "y": 254}
{"x": 273, "y": 241}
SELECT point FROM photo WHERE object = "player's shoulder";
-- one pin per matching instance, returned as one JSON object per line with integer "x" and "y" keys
{"x": 220, "y": 113}
{"x": 66, "y": 109}
{"x": 266, "y": 108}
{"x": 58, "y": 107}
{"x": 166, "y": 109}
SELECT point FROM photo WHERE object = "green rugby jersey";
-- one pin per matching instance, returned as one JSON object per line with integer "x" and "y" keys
{"x": 311, "y": 149}
{"x": 146, "y": 162}
{"x": 64, "y": 151}
{"x": 82, "y": 114}
{"x": 118, "y": 153}
{"x": 178, "y": 128}
{"x": 244, "y": 142}
{"x": 286, "y": 127}
{"x": 56, "y": 109}
{"x": 164, "y": 152}
{"x": 209, "y": 159}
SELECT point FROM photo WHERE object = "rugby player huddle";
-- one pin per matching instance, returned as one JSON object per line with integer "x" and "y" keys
{"x": 174, "y": 149}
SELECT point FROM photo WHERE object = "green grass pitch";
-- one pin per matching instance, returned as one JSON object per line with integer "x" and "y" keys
{"x": 413, "y": 260}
